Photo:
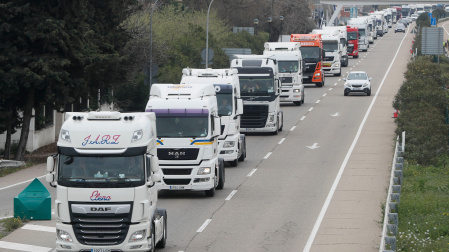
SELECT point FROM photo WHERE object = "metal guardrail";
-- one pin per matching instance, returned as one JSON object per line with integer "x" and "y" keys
{"x": 390, "y": 227}
{"x": 11, "y": 163}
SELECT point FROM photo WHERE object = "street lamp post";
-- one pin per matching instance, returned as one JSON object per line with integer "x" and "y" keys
{"x": 207, "y": 34}
{"x": 151, "y": 43}
{"x": 269, "y": 19}
{"x": 256, "y": 22}
{"x": 282, "y": 22}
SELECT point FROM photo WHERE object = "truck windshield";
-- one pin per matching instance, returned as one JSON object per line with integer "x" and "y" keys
{"x": 288, "y": 66}
{"x": 330, "y": 46}
{"x": 101, "y": 171}
{"x": 256, "y": 86}
{"x": 352, "y": 35}
{"x": 379, "y": 22}
{"x": 362, "y": 32}
{"x": 310, "y": 52}
{"x": 224, "y": 99}
{"x": 182, "y": 126}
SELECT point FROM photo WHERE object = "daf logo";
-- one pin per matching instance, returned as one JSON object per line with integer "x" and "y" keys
{"x": 100, "y": 209}
{"x": 177, "y": 153}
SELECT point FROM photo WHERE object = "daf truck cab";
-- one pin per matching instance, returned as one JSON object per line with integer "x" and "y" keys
{"x": 313, "y": 55}
{"x": 260, "y": 91}
{"x": 188, "y": 127}
{"x": 231, "y": 143}
{"x": 332, "y": 51}
{"x": 289, "y": 69}
{"x": 362, "y": 25}
{"x": 105, "y": 173}
{"x": 343, "y": 42}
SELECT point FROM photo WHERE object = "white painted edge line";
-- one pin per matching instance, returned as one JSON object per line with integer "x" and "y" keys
{"x": 335, "y": 84}
{"x": 339, "y": 79}
{"x": 302, "y": 118}
{"x": 23, "y": 247}
{"x": 268, "y": 154}
{"x": 39, "y": 228}
{"x": 317, "y": 101}
{"x": 324, "y": 94}
{"x": 282, "y": 140}
{"x": 310, "y": 109}
{"x": 345, "y": 161}
{"x": 293, "y": 128}
{"x": 231, "y": 194}
{"x": 330, "y": 89}
{"x": 203, "y": 226}
{"x": 6, "y": 217}
{"x": 251, "y": 173}
{"x": 16, "y": 184}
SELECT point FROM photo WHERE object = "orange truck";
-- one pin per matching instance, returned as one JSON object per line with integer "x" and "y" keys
{"x": 312, "y": 55}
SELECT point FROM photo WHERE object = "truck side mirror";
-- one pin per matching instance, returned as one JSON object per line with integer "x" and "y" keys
{"x": 50, "y": 177}
{"x": 239, "y": 107}
{"x": 50, "y": 164}
{"x": 152, "y": 162}
{"x": 156, "y": 177}
{"x": 217, "y": 128}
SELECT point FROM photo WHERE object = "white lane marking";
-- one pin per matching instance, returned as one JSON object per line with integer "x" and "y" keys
{"x": 23, "y": 247}
{"x": 282, "y": 140}
{"x": 6, "y": 217}
{"x": 335, "y": 84}
{"x": 330, "y": 88}
{"x": 293, "y": 128}
{"x": 310, "y": 109}
{"x": 350, "y": 68}
{"x": 345, "y": 161}
{"x": 317, "y": 101}
{"x": 6, "y": 187}
{"x": 39, "y": 228}
{"x": 314, "y": 146}
{"x": 203, "y": 226}
{"x": 266, "y": 156}
{"x": 324, "y": 94}
{"x": 231, "y": 194}
{"x": 251, "y": 173}
{"x": 336, "y": 114}
{"x": 360, "y": 61}
{"x": 339, "y": 79}
{"x": 302, "y": 118}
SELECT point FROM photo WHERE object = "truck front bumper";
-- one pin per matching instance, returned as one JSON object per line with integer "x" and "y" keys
{"x": 138, "y": 246}
{"x": 292, "y": 93}
{"x": 229, "y": 153}
{"x": 363, "y": 47}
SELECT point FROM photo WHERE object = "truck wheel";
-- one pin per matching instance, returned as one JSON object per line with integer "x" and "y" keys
{"x": 163, "y": 241}
{"x": 297, "y": 103}
{"x": 243, "y": 155}
{"x": 210, "y": 193}
{"x": 153, "y": 239}
{"x": 277, "y": 129}
{"x": 320, "y": 84}
{"x": 338, "y": 74}
{"x": 280, "y": 129}
{"x": 356, "y": 56}
{"x": 221, "y": 172}
{"x": 234, "y": 162}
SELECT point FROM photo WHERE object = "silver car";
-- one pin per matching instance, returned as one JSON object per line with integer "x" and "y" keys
{"x": 358, "y": 82}
{"x": 399, "y": 28}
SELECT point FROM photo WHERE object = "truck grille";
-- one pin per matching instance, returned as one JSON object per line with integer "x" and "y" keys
{"x": 176, "y": 171}
{"x": 310, "y": 67}
{"x": 254, "y": 116}
{"x": 286, "y": 79}
{"x": 177, "y": 154}
{"x": 98, "y": 229}
{"x": 328, "y": 58}
{"x": 177, "y": 181}
{"x": 350, "y": 48}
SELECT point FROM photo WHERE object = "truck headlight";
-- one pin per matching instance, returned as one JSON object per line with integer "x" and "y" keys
{"x": 317, "y": 74}
{"x": 355, "y": 51}
{"x": 65, "y": 135}
{"x": 271, "y": 118}
{"x": 63, "y": 235}
{"x": 228, "y": 144}
{"x": 204, "y": 171}
{"x": 296, "y": 90}
{"x": 337, "y": 65}
{"x": 137, "y": 236}
{"x": 137, "y": 135}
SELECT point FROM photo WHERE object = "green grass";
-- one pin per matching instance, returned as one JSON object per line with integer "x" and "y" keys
{"x": 10, "y": 224}
{"x": 424, "y": 208}
{"x": 8, "y": 170}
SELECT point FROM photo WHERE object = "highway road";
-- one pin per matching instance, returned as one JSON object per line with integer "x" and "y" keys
{"x": 272, "y": 201}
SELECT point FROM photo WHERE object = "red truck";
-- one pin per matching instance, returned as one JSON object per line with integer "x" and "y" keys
{"x": 353, "y": 41}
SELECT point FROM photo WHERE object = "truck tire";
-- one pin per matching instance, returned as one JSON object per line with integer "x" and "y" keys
{"x": 243, "y": 155}
{"x": 356, "y": 56}
{"x": 277, "y": 129}
{"x": 210, "y": 193}
{"x": 297, "y": 103}
{"x": 320, "y": 84}
{"x": 234, "y": 162}
{"x": 153, "y": 238}
{"x": 338, "y": 74}
{"x": 221, "y": 177}
{"x": 282, "y": 126}
{"x": 163, "y": 241}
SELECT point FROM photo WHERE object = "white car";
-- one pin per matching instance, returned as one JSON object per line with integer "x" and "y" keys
{"x": 357, "y": 81}
{"x": 414, "y": 17}
{"x": 399, "y": 28}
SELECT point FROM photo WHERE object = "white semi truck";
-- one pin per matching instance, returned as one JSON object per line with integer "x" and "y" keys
{"x": 289, "y": 63}
{"x": 231, "y": 143}
{"x": 260, "y": 91}
{"x": 343, "y": 41}
{"x": 105, "y": 174}
{"x": 362, "y": 25}
{"x": 188, "y": 128}
{"x": 332, "y": 50}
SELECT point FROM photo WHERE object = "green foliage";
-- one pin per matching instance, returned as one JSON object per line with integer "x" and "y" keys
{"x": 439, "y": 13}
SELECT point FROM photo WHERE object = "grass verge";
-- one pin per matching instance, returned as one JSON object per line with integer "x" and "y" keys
{"x": 424, "y": 208}
{"x": 10, "y": 224}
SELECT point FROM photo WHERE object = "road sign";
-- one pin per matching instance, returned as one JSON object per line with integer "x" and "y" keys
{"x": 430, "y": 14}
{"x": 432, "y": 40}
{"x": 433, "y": 22}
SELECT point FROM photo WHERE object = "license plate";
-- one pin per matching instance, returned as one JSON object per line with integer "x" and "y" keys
{"x": 327, "y": 64}
{"x": 358, "y": 88}
{"x": 176, "y": 187}
{"x": 100, "y": 250}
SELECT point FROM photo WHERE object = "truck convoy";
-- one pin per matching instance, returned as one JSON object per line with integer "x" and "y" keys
{"x": 260, "y": 92}
{"x": 353, "y": 41}
{"x": 362, "y": 25}
{"x": 289, "y": 63}
{"x": 312, "y": 54}
{"x": 332, "y": 51}
{"x": 379, "y": 23}
{"x": 343, "y": 47}
{"x": 105, "y": 174}
{"x": 187, "y": 129}
{"x": 231, "y": 143}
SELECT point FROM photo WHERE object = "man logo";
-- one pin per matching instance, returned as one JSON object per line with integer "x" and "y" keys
{"x": 100, "y": 209}
{"x": 177, "y": 153}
